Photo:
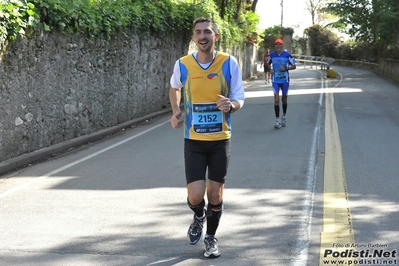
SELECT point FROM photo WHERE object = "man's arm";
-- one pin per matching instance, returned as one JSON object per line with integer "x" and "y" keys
{"x": 236, "y": 104}
{"x": 236, "y": 94}
{"x": 263, "y": 60}
{"x": 175, "y": 98}
{"x": 227, "y": 105}
{"x": 291, "y": 63}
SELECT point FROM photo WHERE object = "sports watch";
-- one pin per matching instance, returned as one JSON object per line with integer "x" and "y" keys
{"x": 232, "y": 108}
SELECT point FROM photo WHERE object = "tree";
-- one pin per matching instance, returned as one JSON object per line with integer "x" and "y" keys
{"x": 234, "y": 8}
{"x": 253, "y": 4}
{"x": 268, "y": 37}
{"x": 229, "y": 9}
{"x": 222, "y": 4}
{"x": 240, "y": 13}
{"x": 318, "y": 15}
{"x": 375, "y": 22}
{"x": 314, "y": 6}
{"x": 300, "y": 45}
{"x": 388, "y": 27}
{"x": 323, "y": 42}
{"x": 367, "y": 20}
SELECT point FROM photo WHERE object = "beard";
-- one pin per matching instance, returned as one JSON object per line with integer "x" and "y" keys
{"x": 205, "y": 48}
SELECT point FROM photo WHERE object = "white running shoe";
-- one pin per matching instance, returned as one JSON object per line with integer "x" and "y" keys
{"x": 283, "y": 121}
{"x": 277, "y": 125}
{"x": 211, "y": 247}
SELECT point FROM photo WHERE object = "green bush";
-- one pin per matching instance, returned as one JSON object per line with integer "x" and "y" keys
{"x": 103, "y": 18}
{"x": 15, "y": 18}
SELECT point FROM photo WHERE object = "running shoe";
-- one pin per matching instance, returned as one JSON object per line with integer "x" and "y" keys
{"x": 194, "y": 233}
{"x": 211, "y": 247}
{"x": 283, "y": 121}
{"x": 277, "y": 125}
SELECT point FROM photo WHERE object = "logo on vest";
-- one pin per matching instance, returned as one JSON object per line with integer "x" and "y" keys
{"x": 212, "y": 76}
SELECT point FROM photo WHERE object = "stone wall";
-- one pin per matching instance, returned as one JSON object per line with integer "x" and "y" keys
{"x": 56, "y": 87}
{"x": 389, "y": 68}
{"x": 357, "y": 64}
{"x": 385, "y": 67}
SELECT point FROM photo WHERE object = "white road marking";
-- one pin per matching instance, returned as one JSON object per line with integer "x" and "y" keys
{"x": 37, "y": 179}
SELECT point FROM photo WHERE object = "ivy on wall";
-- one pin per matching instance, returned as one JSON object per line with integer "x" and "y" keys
{"x": 103, "y": 18}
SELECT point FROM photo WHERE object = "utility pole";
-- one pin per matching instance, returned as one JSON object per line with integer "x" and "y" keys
{"x": 282, "y": 8}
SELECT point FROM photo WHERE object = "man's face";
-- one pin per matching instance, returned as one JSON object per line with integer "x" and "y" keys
{"x": 279, "y": 47}
{"x": 204, "y": 37}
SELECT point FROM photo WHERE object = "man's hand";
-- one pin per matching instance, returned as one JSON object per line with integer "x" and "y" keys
{"x": 176, "y": 120}
{"x": 223, "y": 104}
{"x": 283, "y": 68}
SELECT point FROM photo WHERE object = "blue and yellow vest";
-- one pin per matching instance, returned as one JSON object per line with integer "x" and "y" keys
{"x": 203, "y": 120}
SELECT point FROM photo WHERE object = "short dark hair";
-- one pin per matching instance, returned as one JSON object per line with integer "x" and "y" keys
{"x": 204, "y": 19}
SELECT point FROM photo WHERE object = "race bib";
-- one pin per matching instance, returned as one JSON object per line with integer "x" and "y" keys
{"x": 281, "y": 75}
{"x": 207, "y": 118}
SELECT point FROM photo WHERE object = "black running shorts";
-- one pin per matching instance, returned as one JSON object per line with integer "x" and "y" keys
{"x": 200, "y": 156}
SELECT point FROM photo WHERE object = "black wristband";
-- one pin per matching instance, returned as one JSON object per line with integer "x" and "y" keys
{"x": 232, "y": 108}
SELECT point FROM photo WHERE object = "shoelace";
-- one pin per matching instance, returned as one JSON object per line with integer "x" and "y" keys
{"x": 211, "y": 242}
{"x": 197, "y": 225}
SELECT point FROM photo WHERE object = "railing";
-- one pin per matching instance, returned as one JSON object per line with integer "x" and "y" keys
{"x": 309, "y": 60}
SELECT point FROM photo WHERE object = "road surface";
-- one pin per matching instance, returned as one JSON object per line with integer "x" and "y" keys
{"x": 294, "y": 196}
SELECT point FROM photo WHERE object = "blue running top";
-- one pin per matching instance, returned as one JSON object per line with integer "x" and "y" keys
{"x": 276, "y": 60}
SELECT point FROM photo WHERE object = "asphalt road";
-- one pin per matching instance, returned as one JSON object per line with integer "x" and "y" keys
{"x": 122, "y": 200}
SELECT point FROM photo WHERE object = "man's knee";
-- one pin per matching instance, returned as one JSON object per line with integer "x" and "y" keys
{"x": 215, "y": 192}
{"x": 284, "y": 99}
{"x": 196, "y": 191}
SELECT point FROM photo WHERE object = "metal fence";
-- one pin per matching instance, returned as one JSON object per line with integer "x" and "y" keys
{"x": 314, "y": 61}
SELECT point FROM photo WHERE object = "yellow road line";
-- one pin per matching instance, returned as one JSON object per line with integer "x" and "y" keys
{"x": 337, "y": 229}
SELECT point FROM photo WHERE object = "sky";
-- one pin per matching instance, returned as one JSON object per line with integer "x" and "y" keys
{"x": 295, "y": 14}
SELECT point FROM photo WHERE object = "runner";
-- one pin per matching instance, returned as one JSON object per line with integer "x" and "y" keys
{"x": 213, "y": 90}
{"x": 281, "y": 62}
{"x": 266, "y": 66}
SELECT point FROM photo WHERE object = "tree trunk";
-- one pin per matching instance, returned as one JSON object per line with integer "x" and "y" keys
{"x": 253, "y": 7}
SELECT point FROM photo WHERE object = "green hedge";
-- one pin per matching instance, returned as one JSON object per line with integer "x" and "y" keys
{"x": 103, "y": 18}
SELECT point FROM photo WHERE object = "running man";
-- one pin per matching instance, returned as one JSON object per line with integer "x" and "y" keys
{"x": 213, "y": 90}
{"x": 281, "y": 62}
{"x": 266, "y": 67}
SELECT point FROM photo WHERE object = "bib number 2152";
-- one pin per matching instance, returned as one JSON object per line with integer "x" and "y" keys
{"x": 207, "y": 118}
